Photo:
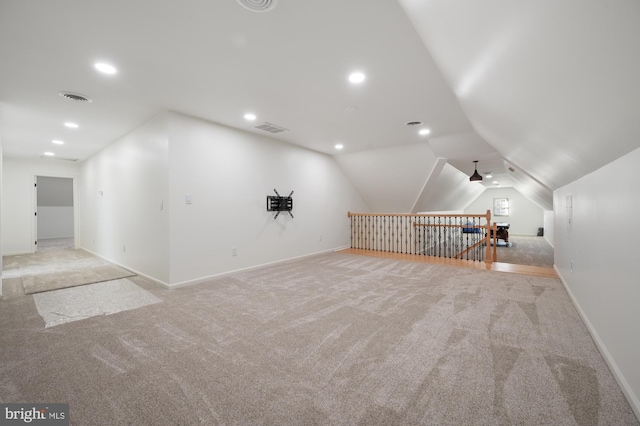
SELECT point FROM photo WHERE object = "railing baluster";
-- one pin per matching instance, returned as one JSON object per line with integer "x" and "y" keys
{"x": 351, "y": 233}
{"x": 409, "y": 230}
{"x": 450, "y": 236}
{"x": 392, "y": 248}
{"x": 368, "y": 232}
{"x": 398, "y": 234}
{"x": 375, "y": 234}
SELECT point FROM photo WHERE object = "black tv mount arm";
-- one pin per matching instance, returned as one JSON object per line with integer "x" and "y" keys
{"x": 279, "y": 204}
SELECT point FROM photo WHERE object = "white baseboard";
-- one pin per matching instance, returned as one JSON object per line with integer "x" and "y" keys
{"x": 17, "y": 253}
{"x": 210, "y": 277}
{"x": 628, "y": 392}
{"x": 249, "y": 268}
{"x": 150, "y": 278}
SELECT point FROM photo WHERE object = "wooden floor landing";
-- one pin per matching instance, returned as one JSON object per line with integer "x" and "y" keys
{"x": 494, "y": 266}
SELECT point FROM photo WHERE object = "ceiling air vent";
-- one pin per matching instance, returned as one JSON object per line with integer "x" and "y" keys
{"x": 413, "y": 123}
{"x": 271, "y": 128}
{"x": 75, "y": 97}
{"x": 258, "y": 5}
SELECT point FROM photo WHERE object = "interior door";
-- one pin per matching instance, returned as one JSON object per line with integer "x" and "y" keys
{"x": 55, "y": 212}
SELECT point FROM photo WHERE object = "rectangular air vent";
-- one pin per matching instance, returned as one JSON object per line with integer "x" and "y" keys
{"x": 271, "y": 128}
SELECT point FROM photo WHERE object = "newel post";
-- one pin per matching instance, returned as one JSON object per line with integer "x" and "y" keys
{"x": 488, "y": 258}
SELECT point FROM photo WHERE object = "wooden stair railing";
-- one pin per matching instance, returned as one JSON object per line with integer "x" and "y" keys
{"x": 455, "y": 235}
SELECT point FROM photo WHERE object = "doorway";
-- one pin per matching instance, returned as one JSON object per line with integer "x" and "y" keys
{"x": 55, "y": 213}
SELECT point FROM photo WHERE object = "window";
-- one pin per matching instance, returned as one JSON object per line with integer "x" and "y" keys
{"x": 501, "y": 207}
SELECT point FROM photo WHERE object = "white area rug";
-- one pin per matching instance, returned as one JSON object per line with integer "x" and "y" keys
{"x": 78, "y": 303}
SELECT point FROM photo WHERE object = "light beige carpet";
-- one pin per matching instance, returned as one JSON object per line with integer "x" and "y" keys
{"x": 56, "y": 269}
{"x": 334, "y": 339}
{"x": 527, "y": 250}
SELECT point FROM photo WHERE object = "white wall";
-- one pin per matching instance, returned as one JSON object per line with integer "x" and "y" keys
{"x": 449, "y": 190}
{"x": 524, "y": 218}
{"x": 18, "y": 201}
{"x": 122, "y": 188}
{"x": 596, "y": 254}
{"x": 549, "y": 226}
{"x": 389, "y": 179}
{"x": 55, "y": 222}
{"x": 229, "y": 174}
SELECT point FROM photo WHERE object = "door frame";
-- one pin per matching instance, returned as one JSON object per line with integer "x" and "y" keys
{"x": 34, "y": 223}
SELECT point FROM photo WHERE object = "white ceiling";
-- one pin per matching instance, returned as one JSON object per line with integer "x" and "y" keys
{"x": 552, "y": 86}
{"x": 547, "y": 88}
{"x": 216, "y": 60}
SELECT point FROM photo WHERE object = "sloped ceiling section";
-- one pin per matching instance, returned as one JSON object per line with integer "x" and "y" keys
{"x": 460, "y": 145}
{"x": 552, "y": 86}
{"x": 450, "y": 191}
{"x": 390, "y": 179}
{"x": 530, "y": 188}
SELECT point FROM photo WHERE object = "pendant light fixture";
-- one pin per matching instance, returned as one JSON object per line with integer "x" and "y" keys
{"x": 475, "y": 177}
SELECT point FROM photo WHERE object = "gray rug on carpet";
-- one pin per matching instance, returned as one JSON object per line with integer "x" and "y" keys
{"x": 57, "y": 269}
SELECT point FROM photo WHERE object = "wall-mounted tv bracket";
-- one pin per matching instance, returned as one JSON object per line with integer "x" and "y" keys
{"x": 278, "y": 203}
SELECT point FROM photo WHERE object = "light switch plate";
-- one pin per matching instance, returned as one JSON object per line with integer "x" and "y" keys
{"x": 188, "y": 199}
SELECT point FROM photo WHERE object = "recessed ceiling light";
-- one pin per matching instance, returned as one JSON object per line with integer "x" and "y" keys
{"x": 105, "y": 68}
{"x": 250, "y": 117}
{"x": 424, "y": 132}
{"x": 338, "y": 146}
{"x": 57, "y": 142}
{"x": 489, "y": 176}
{"x": 495, "y": 182}
{"x": 71, "y": 125}
{"x": 49, "y": 154}
{"x": 356, "y": 77}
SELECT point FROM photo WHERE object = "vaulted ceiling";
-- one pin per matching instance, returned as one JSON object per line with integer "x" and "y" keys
{"x": 540, "y": 93}
{"x": 551, "y": 86}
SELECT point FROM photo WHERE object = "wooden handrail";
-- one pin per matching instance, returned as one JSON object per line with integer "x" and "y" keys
{"x": 451, "y": 226}
{"x": 469, "y": 248}
{"x": 350, "y": 214}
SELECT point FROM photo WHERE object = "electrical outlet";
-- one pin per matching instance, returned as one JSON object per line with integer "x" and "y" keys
{"x": 234, "y": 251}
{"x": 320, "y": 237}
{"x": 124, "y": 248}
{"x": 571, "y": 265}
